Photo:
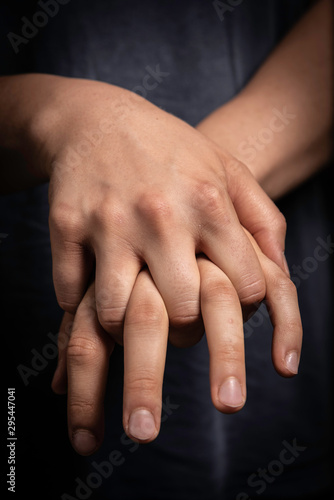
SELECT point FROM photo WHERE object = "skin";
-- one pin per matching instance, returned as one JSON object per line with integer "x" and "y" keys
{"x": 133, "y": 202}
{"x": 84, "y": 350}
{"x": 297, "y": 76}
{"x": 297, "y": 151}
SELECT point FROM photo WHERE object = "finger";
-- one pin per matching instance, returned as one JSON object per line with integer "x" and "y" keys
{"x": 145, "y": 345}
{"x": 175, "y": 272}
{"x": 282, "y": 303}
{"x": 258, "y": 213}
{"x": 59, "y": 381}
{"x": 224, "y": 330}
{"x": 223, "y": 241}
{"x": 88, "y": 353}
{"x": 116, "y": 271}
{"x": 72, "y": 262}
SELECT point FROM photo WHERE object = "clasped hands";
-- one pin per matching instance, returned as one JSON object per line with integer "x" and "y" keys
{"x": 156, "y": 235}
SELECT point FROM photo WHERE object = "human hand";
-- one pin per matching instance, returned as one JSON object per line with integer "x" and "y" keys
{"x": 84, "y": 350}
{"x": 153, "y": 191}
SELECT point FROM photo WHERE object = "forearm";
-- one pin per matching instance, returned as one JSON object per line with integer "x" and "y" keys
{"x": 21, "y": 100}
{"x": 31, "y": 112}
{"x": 280, "y": 124}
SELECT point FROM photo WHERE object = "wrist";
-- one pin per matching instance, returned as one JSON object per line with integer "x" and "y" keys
{"x": 242, "y": 127}
{"x": 74, "y": 111}
{"x": 43, "y": 120}
{"x": 26, "y": 115}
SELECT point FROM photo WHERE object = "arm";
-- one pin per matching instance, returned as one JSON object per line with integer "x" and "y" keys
{"x": 21, "y": 97}
{"x": 280, "y": 124}
{"x": 121, "y": 195}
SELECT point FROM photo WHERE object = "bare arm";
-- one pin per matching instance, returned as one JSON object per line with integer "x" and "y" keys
{"x": 121, "y": 197}
{"x": 22, "y": 99}
{"x": 280, "y": 124}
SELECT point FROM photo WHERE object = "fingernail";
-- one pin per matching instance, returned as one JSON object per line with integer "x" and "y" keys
{"x": 141, "y": 424}
{"x": 84, "y": 442}
{"x": 285, "y": 265}
{"x": 292, "y": 362}
{"x": 230, "y": 393}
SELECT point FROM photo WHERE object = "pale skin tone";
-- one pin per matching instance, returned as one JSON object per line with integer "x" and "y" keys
{"x": 154, "y": 192}
{"x": 84, "y": 350}
{"x": 160, "y": 207}
{"x": 280, "y": 166}
{"x": 298, "y": 76}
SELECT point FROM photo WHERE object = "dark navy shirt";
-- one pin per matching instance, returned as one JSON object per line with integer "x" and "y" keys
{"x": 188, "y": 57}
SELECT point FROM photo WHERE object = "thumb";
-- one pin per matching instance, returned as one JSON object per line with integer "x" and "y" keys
{"x": 257, "y": 212}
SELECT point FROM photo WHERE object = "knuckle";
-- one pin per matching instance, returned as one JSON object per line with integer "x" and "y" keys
{"x": 64, "y": 219}
{"x": 283, "y": 287}
{"x": 79, "y": 407}
{"x": 186, "y": 313}
{"x": 280, "y": 223}
{"x": 69, "y": 302}
{"x": 69, "y": 306}
{"x": 82, "y": 350}
{"x": 148, "y": 313}
{"x": 253, "y": 291}
{"x": 230, "y": 352}
{"x": 109, "y": 212}
{"x": 208, "y": 197}
{"x": 154, "y": 207}
{"x": 111, "y": 318}
{"x": 142, "y": 382}
{"x": 234, "y": 166}
{"x": 180, "y": 321}
{"x": 215, "y": 290}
